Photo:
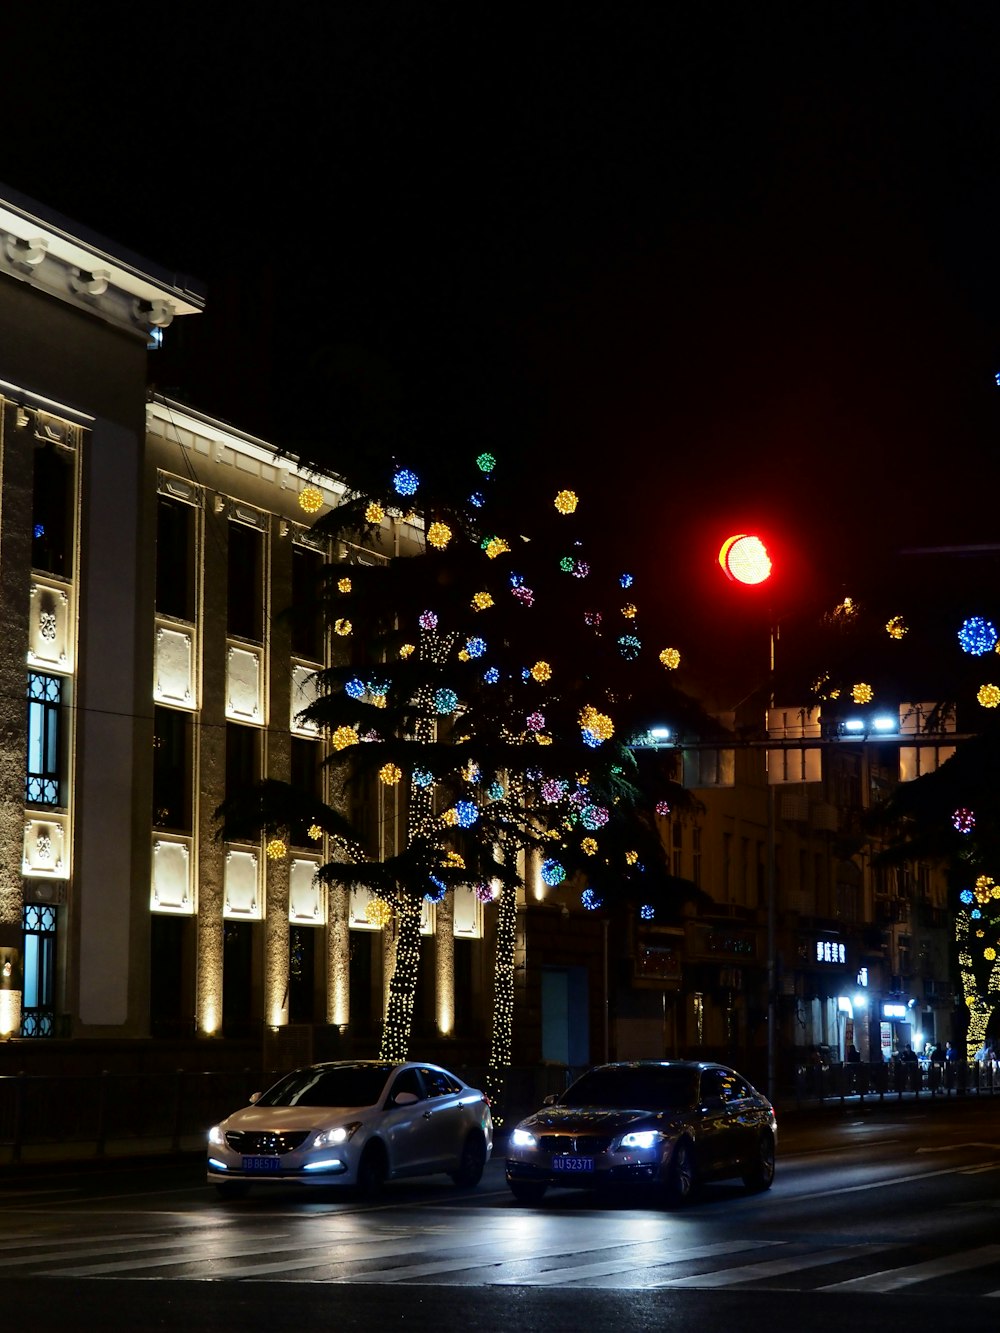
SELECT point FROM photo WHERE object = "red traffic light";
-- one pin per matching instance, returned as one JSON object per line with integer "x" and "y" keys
{"x": 744, "y": 559}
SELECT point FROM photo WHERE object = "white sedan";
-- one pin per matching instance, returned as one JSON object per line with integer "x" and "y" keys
{"x": 354, "y": 1122}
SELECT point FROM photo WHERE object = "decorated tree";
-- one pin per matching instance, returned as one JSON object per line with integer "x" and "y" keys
{"x": 480, "y": 671}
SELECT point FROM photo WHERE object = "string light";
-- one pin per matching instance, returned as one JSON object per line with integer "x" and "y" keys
{"x": 428, "y": 620}
{"x": 449, "y": 817}
{"x": 439, "y": 535}
{"x": 454, "y": 860}
{"x": 445, "y": 701}
{"x": 862, "y": 693}
{"x": 477, "y": 500}
{"x": 467, "y": 813}
{"x": 406, "y": 650}
{"x": 630, "y": 611}
{"x": 964, "y": 820}
{"x": 310, "y": 499}
{"x": 598, "y": 724}
{"x": 491, "y": 675}
{"x": 541, "y": 671}
{"x": 524, "y": 595}
{"x": 553, "y": 790}
{"x": 495, "y": 791}
{"x": 553, "y": 873}
{"x": 344, "y": 585}
{"x": 581, "y": 569}
{"x": 988, "y": 695}
{"x": 315, "y": 832}
{"x": 355, "y": 688}
{"x": 629, "y": 646}
{"x": 663, "y": 808}
{"x": 343, "y": 737}
{"x": 589, "y": 846}
{"x": 390, "y": 774}
{"x": 374, "y": 513}
{"x": 484, "y": 892}
{"x": 631, "y": 858}
{"x": 566, "y": 502}
{"x": 670, "y": 658}
{"x": 475, "y": 647}
{"x": 494, "y": 546}
{"x": 977, "y": 636}
{"x": 626, "y": 580}
{"x": 592, "y": 618}
{"x": 590, "y": 900}
{"x": 422, "y": 777}
{"x": 647, "y": 912}
{"x": 896, "y": 627}
{"x": 275, "y": 849}
{"x": 486, "y": 462}
{"x": 342, "y": 627}
{"x": 436, "y": 894}
{"x": 566, "y": 564}
{"x": 535, "y": 721}
{"x": 481, "y": 601}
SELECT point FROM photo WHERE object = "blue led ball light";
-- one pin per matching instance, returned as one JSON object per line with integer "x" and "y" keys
{"x": 355, "y": 688}
{"x": 445, "y": 701}
{"x": 553, "y": 872}
{"x": 405, "y": 482}
{"x": 590, "y": 900}
{"x": 977, "y": 636}
{"x": 467, "y": 812}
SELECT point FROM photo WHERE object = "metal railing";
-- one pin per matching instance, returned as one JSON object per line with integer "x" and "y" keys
{"x": 883, "y": 1079}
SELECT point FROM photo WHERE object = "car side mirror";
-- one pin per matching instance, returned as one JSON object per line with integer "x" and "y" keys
{"x": 551, "y": 1099}
{"x": 255, "y": 1098}
{"x": 405, "y": 1099}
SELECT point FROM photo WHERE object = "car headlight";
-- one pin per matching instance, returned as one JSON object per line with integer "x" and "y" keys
{"x": 216, "y": 1137}
{"x": 522, "y": 1139}
{"x": 641, "y": 1138}
{"x": 328, "y": 1137}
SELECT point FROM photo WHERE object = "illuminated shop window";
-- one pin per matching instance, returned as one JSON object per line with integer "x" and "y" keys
{"x": 37, "y": 1016}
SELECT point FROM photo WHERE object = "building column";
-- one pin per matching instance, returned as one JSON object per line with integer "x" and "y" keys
{"x": 338, "y": 956}
{"x": 444, "y": 966}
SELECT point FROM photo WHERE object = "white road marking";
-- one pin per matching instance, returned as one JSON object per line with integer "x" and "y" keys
{"x": 894, "y": 1279}
{"x": 610, "y": 1268}
{"x": 729, "y": 1277}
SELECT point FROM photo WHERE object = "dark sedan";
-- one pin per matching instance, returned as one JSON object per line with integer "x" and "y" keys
{"x": 666, "y": 1123}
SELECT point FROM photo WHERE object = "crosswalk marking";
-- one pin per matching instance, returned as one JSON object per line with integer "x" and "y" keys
{"x": 894, "y": 1278}
{"x": 729, "y": 1277}
{"x": 611, "y": 1268}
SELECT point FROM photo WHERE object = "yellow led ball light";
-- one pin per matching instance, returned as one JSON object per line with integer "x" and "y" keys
{"x": 374, "y": 513}
{"x": 310, "y": 499}
{"x": 862, "y": 693}
{"x": 378, "y": 912}
{"x": 342, "y": 627}
{"x": 343, "y": 585}
{"x": 275, "y": 849}
{"x": 482, "y": 601}
{"x": 670, "y": 658}
{"x": 343, "y": 737}
{"x": 390, "y": 774}
{"x": 989, "y": 695}
{"x": 896, "y": 627}
{"x": 541, "y": 671}
{"x": 439, "y": 535}
{"x": 566, "y": 502}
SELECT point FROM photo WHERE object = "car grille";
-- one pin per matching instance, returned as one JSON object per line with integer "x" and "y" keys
{"x": 250, "y": 1143}
{"x": 586, "y": 1145}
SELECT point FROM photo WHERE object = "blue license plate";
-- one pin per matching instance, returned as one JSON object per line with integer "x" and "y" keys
{"x": 572, "y": 1164}
{"x": 261, "y": 1163}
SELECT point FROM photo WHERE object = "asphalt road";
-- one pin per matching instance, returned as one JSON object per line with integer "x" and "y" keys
{"x": 881, "y": 1218}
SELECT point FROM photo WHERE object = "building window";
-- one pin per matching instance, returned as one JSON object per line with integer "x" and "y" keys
{"x": 242, "y": 758}
{"x": 43, "y": 780}
{"x": 307, "y": 623}
{"x": 172, "y": 770}
{"x": 37, "y": 1009}
{"x": 52, "y": 510}
{"x": 175, "y": 558}
{"x": 306, "y": 777}
{"x": 245, "y": 583}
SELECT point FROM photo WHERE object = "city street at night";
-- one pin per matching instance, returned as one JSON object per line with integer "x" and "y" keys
{"x": 879, "y": 1216}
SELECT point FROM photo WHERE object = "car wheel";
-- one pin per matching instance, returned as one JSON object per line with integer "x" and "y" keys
{"x": 528, "y": 1191}
{"x": 472, "y": 1162}
{"x": 231, "y": 1189}
{"x": 681, "y": 1177}
{"x": 373, "y": 1170}
{"x": 759, "y": 1174}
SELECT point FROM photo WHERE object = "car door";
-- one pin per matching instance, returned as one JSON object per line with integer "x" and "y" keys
{"x": 713, "y": 1119}
{"x": 406, "y": 1128}
{"x": 447, "y": 1118}
{"x": 742, "y": 1117}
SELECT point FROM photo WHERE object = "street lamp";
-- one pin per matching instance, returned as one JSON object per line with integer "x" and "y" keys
{"x": 744, "y": 559}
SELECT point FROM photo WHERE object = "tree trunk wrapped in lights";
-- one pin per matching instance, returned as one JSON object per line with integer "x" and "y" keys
{"x": 501, "y": 1045}
{"x": 403, "y": 982}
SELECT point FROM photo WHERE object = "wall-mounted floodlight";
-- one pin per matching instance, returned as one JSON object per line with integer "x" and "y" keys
{"x": 656, "y": 738}
{"x": 885, "y": 722}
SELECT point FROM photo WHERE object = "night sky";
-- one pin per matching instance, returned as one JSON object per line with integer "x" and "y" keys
{"x": 716, "y": 266}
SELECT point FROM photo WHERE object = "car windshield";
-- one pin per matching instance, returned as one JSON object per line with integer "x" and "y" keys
{"x": 656, "y": 1088}
{"x": 352, "y": 1085}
